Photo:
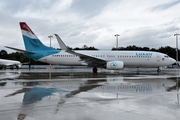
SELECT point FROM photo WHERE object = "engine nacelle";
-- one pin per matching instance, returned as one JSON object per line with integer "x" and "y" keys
{"x": 114, "y": 65}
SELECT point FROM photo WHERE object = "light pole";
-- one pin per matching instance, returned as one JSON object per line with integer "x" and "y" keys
{"x": 176, "y": 47}
{"x": 116, "y": 35}
{"x": 50, "y": 36}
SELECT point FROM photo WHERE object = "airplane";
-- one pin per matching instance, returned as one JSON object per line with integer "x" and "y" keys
{"x": 4, "y": 63}
{"x": 110, "y": 60}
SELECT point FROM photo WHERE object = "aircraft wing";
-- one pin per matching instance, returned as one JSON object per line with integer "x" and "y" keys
{"x": 20, "y": 50}
{"x": 88, "y": 59}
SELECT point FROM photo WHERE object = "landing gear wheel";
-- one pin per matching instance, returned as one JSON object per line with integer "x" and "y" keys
{"x": 95, "y": 70}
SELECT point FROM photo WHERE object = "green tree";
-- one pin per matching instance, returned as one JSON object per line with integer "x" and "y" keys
{"x": 85, "y": 47}
{"x": 3, "y": 54}
{"x": 168, "y": 50}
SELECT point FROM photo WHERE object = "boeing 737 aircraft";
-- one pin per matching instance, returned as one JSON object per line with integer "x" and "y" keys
{"x": 4, "y": 63}
{"x": 111, "y": 60}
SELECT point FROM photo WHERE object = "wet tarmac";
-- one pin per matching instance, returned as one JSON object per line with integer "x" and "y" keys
{"x": 78, "y": 94}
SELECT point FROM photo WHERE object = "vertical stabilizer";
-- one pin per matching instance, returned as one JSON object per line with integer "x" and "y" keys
{"x": 31, "y": 41}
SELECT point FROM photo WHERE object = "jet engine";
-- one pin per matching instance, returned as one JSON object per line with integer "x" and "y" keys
{"x": 114, "y": 65}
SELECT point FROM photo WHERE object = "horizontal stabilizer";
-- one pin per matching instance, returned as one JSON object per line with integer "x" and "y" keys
{"x": 20, "y": 50}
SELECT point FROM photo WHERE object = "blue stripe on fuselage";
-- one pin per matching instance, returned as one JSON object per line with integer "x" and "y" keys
{"x": 41, "y": 54}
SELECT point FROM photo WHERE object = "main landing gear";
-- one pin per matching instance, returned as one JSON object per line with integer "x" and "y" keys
{"x": 95, "y": 70}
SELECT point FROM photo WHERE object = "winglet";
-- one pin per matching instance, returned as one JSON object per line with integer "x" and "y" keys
{"x": 61, "y": 43}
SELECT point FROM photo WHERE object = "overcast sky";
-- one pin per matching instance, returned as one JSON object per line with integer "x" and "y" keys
{"x": 144, "y": 23}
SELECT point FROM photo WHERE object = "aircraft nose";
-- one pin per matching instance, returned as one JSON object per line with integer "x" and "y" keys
{"x": 172, "y": 61}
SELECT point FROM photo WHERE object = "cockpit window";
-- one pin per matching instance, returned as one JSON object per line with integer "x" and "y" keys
{"x": 166, "y": 56}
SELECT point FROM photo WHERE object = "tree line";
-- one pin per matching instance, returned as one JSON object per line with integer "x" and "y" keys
{"x": 20, "y": 57}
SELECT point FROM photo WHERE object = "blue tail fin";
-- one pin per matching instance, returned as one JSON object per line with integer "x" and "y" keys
{"x": 31, "y": 42}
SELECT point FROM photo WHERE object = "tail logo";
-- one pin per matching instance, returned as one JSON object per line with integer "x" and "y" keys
{"x": 113, "y": 65}
{"x": 26, "y": 28}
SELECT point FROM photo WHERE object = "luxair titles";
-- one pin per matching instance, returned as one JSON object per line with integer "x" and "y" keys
{"x": 143, "y": 54}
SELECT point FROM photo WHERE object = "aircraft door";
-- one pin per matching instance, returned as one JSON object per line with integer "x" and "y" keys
{"x": 158, "y": 57}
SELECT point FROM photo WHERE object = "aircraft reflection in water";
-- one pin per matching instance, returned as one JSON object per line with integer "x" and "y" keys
{"x": 9, "y": 75}
{"x": 97, "y": 89}
{"x": 175, "y": 87}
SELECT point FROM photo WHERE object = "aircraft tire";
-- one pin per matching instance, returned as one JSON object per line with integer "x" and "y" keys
{"x": 95, "y": 70}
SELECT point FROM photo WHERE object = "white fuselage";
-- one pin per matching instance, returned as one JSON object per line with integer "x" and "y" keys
{"x": 9, "y": 62}
{"x": 129, "y": 58}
